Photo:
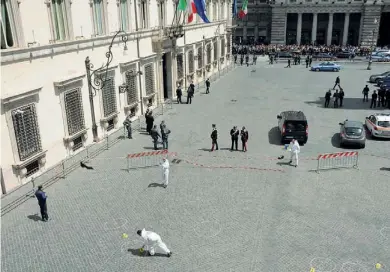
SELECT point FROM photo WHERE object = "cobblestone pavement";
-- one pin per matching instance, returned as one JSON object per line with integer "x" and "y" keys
{"x": 219, "y": 219}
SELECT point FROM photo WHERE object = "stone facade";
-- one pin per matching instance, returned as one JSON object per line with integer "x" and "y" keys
{"x": 45, "y": 97}
{"x": 369, "y": 10}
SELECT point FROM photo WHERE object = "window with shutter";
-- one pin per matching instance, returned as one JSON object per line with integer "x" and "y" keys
{"x": 191, "y": 63}
{"x": 74, "y": 111}
{"x": 222, "y": 47}
{"x": 98, "y": 17}
{"x": 132, "y": 92}
{"x": 149, "y": 79}
{"x": 27, "y": 133}
{"x": 229, "y": 38}
{"x": 215, "y": 50}
{"x": 9, "y": 29}
{"x": 124, "y": 21}
{"x": 109, "y": 97}
{"x": 180, "y": 72}
{"x": 209, "y": 53}
{"x": 200, "y": 57}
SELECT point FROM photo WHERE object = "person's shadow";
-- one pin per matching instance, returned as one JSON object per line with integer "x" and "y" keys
{"x": 34, "y": 217}
{"x": 137, "y": 252}
{"x": 154, "y": 184}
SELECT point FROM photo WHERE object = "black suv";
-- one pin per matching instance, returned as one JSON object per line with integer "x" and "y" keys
{"x": 293, "y": 124}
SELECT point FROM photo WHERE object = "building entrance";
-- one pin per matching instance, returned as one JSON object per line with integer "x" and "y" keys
{"x": 167, "y": 75}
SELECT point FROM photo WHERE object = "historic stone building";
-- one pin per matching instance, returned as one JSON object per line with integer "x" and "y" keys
{"x": 49, "y": 110}
{"x": 340, "y": 22}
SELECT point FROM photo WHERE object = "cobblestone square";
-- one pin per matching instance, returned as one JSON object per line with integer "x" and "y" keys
{"x": 225, "y": 217}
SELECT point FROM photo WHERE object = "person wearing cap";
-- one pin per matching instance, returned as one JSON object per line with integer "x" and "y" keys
{"x": 214, "y": 138}
{"x": 41, "y": 196}
{"x": 244, "y": 138}
{"x": 153, "y": 240}
{"x": 234, "y": 134}
{"x": 165, "y": 167}
{"x": 295, "y": 149}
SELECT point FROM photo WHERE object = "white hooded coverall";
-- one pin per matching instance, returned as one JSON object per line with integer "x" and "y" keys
{"x": 295, "y": 149}
{"x": 153, "y": 240}
{"x": 165, "y": 166}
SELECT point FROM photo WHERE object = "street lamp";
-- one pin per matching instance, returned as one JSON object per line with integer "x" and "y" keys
{"x": 96, "y": 78}
{"x": 372, "y": 44}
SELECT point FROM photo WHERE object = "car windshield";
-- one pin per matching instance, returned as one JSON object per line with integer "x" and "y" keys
{"x": 353, "y": 131}
{"x": 385, "y": 74}
{"x": 385, "y": 124}
{"x": 296, "y": 126}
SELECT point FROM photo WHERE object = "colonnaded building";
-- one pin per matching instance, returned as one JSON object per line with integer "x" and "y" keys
{"x": 339, "y": 22}
{"x": 49, "y": 111}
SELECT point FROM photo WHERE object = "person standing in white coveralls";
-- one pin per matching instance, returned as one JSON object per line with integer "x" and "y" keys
{"x": 295, "y": 149}
{"x": 165, "y": 167}
{"x": 153, "y": 240}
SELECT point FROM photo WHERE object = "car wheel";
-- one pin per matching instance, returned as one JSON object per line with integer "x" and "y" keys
{"x": 317, "y": 70}
{"x": 335, "y": 70}
{"x": 362, "y": 145}
{"x": 377, "y": 81}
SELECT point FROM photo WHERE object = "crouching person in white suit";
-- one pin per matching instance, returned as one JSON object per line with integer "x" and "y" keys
{"x": 153, "y": 240}
{"x": 165, "y": 167}
{"x": 295, "y": 149}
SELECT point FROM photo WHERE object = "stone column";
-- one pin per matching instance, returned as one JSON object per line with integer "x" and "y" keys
{"x": 299, "y": 28}
{"x": 256, "y": 33}
{"x": 314, "y": 28}
{"x": 345, "y": 31}
{"x": 330, "y": 30}
{"x": 245, "y": 33}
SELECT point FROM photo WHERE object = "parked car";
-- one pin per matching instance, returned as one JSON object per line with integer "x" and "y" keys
{"x": 381, "y": 58}
{"x": 293, "y": 124}
{"x": 326, "y": 66}
{"x": 352, "y": 133}
{"x": 324, "y": 56}
{"x": 383, "y": 80}
{"x": 284, "y": 55}
{"x": 376, "y": 78}
{"x": 378, "y": 125}
{"x": 345, "y": 55}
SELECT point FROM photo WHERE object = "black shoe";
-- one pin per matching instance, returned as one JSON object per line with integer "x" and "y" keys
{"x": 169, "y": 254}
{"x": 290, "y": 162}
{"x": 165, "y": 186}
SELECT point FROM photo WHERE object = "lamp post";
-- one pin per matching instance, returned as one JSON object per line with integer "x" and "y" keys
{"x": 372, "y": 44}
{"x": 96, "y": 78}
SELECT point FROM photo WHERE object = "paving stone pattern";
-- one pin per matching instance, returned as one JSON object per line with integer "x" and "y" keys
{"x": 216, "y": 219}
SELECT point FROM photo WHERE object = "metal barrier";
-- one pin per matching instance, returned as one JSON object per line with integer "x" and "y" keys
{"x": 337, "y": 160}
{"x": 147, "y": 159}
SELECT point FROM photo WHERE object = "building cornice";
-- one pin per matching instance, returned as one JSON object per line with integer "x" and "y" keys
{"x": 10, "y": 98}
{"x": 324, "y": 9}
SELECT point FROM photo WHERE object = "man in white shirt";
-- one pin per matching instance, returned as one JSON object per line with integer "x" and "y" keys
{"x": 153, "y": 240}
{"x": 165, "y": 167}
{"x": 295, "y": 149}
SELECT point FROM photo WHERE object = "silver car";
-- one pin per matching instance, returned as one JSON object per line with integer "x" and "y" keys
{"x": 377, "y": 78}
{"x": 352, "y": 133}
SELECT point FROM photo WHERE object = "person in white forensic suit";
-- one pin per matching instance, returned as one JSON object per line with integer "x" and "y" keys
{"x": 153, "y": 240}
{"x": 295, "y": 149}
{"x": 165, "y": 167}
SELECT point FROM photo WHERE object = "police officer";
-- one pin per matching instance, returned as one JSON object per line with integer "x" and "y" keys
{"x": 235, "y": 59}
{"x": 190, "y": 93}
{"x": 127, "y": 125}
{"x": 247, "y": 60}
{"x": 365, "y": 93}
{"x": 337, "y": 82}
{"x": 381, "y": 98}
{"x": 374, "y": 97}
{"x": 207, "y": 85}
{"x": 164, "y": 134}
{"x": 254, "y": 59}
{"x": 288, "y": 63}
{"x": 244, "y": 139}
{"x": 179, "y": 93}
{"x": 214, "y": 138}
{"x": 336, "y": 99}
{"x": 41, "y": 196}
{"x": 328, "y": 94}
{"x": 388, "y": 98}
{"x": 341, "y": 96}
{"x": 234, "y": 134}
{"x": 149, "y": 120}
{"x": 155, "y": 135}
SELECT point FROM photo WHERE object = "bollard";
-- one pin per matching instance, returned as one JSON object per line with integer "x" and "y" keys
{"x": 33, "y": 185}
{"x": 63, "y": 169}
{"x": 107, "y": 143}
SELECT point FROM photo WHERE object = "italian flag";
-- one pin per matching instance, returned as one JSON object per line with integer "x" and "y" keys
{"x": 189, "y": 7}
{"x": 244, "y": 9}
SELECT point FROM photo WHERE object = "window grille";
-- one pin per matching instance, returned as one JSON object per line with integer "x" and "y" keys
{"x": 109, "y": 97}
{"x": 74, "y": 111}
{"x": 131, "y": 82}
{"x": 180, "y": 72}
{"x": 149, "y": 79}
{"x": 200, "y": 57}
{"x": 59, "y": 18}
{"x": 208, "y": 53}
{"x": 77, "y": 143}
{"x": 98, "y": 16}
{"x": 215, "y": 50}
{"x": 222, "y": 47}
{"x": 191, "y": 63}
{"x": 7, "y": 33}
{"x": 25, "y": 123}
{"x": 111, "y": 125}
{"x": 124, "y": 15}
{"x": 32, "y": 168}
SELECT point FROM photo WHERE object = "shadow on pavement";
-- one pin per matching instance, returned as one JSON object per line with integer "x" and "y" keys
{"x": 284, "y": 163}
{"x": 136, "y": 252}
{"x": 34, "y": 217}
{"x": 348, "y": 104}
{"x": 205, "y": 149}
{"x": 336, "y": 140}
{"x": 148, "y": 147}
{"x": 274, "y": 136}
{"x": 154, "y": 185}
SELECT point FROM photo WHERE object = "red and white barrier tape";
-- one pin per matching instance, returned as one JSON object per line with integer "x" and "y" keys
{"x": 337, "y": 155}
